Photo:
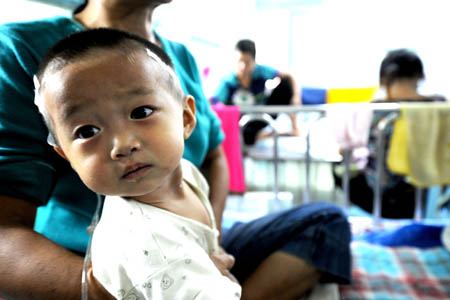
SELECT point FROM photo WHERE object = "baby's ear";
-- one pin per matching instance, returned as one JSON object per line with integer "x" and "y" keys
{"x": 60, "y": 152}
{"x": 189, "y": 119}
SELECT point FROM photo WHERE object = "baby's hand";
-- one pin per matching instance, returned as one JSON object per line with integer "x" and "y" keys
{"x": 224, "y": 262}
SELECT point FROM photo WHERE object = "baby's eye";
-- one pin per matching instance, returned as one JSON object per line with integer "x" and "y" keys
{"x": 86, "y": 132}
{"x": 141, "y": 112}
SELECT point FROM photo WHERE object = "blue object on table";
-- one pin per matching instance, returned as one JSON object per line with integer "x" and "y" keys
{"x": 312, "y": 95}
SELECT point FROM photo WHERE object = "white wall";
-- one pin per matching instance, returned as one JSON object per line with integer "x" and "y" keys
{"x": 325, "y": 43}
{"x": 342, "y": 43}
{"x": 23, "y": 10}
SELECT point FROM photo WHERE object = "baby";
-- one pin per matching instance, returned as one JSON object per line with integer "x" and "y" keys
{"x": 115, "y": 110}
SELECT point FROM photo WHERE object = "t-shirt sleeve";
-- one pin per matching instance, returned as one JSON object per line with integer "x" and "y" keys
{"x": 267, "y": 72}
{"x": 26, "y": 171}
{"x": 208, "y": 131}
{"x": 222, "y": 93}
{"x": 216, "y": 135}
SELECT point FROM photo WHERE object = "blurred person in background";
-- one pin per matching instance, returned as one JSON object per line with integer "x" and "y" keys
{"x": 254, "y": 84}
{"x": 401, "y": 73}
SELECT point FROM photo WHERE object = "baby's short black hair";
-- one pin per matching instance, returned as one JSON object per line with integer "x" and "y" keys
{"x": 246, "y": 46}
{"x": 401, "y": 64}
{"x": 76, "y": 45}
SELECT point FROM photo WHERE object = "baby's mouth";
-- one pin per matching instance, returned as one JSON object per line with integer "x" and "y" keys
{"x": 136, "y": 171}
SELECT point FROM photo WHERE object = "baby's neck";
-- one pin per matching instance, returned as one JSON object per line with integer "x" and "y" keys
{"x": 173, "y": 187}
{"x": 134, "y": 19}
{"x": 182, "y": 201}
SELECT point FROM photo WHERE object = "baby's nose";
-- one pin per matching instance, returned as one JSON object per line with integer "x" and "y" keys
{"x": 124, "y": 145}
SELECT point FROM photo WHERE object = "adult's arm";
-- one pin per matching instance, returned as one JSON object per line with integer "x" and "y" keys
{"x": 33, "y": 267}
{"x": 215, "y": 169}
{"x": 295, "y": 100}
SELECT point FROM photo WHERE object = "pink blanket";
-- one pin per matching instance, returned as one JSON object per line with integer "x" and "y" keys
{"x": 229, "y": 116}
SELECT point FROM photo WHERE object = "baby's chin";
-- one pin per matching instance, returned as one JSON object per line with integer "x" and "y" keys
{"x": 108, "y": 190}
{"x": 127, "y": 196}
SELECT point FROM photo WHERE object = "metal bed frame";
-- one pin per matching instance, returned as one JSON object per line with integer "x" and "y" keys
{"x": 260, "y": 112}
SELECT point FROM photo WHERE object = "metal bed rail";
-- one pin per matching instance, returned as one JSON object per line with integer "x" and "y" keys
{"x": 272, "y": 109}
{"x": 244, "y": 120}
{"x": 263, "y": 113}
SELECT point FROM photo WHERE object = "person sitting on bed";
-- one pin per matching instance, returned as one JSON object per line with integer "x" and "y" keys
{"x": 255, "y": 84}
{"x": 116, "y": 111}
{"x": 401, "y": 71}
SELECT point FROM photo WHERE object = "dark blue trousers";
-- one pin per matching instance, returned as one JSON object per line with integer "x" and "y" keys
{"x": 317, "y": 233}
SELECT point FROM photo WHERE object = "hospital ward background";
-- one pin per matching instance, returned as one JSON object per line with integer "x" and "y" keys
{"x": 333, "y": 49}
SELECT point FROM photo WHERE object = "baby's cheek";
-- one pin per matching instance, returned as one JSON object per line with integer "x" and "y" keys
{"x": 94, "y": 175}
{"x": 174, "y": 152}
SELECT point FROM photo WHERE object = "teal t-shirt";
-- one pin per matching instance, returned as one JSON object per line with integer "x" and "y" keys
{"x": 230, "y": 85}
{"x": 29, "y": 167}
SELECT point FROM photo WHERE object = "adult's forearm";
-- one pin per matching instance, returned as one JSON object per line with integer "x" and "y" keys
{"x": 218, "y": 194}
{"x": 295, "y": 100}
{"x": 216, "y": 173}
{"x": 33, "y": 267}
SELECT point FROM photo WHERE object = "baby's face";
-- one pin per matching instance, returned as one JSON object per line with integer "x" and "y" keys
{"x": 118, "y": 125}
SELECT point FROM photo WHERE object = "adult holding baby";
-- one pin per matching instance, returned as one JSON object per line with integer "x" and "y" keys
{"x": 46, "y": 263}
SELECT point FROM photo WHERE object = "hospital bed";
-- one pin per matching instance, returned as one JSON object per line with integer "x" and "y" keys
{"x": 381, "y": 270}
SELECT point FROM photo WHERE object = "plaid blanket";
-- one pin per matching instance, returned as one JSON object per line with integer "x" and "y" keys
{"x": 385, "y": 273}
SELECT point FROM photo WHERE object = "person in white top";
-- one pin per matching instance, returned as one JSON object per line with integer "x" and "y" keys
{"x": 116, "y": 112}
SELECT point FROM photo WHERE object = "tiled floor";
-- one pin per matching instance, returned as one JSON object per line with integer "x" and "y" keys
{"x": 252, "y": 205}
{"x": 260, "y": 199}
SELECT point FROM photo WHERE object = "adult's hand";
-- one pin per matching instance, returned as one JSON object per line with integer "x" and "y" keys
{"x": 224, "y": 262}
{"x": 95, "y": 290}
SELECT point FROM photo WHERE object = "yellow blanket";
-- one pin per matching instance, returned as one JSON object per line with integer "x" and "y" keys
{"x": 420, "y": 144}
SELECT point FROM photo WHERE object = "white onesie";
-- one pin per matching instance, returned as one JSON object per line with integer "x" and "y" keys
{"x": 143, "y": 252}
